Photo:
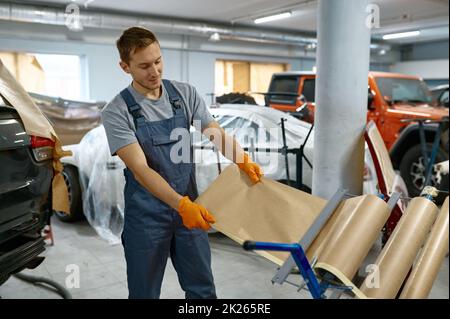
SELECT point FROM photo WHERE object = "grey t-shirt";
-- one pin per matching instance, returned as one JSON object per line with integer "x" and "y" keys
{"x": 119, "y": 123}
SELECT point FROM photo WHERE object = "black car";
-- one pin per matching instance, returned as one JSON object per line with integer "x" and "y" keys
{"x": 26, "y": 175}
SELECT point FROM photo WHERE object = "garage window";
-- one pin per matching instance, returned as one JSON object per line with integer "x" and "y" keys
{"x": 41, "y": 73}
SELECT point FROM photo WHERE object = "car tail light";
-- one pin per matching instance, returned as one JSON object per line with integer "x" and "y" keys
{"x": 42, "y": 148}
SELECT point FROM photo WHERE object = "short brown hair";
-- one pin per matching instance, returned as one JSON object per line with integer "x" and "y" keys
{"x": 133, "y": 39}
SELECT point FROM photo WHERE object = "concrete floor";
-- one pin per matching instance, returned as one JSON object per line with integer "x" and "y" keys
{"x": 237, "y": 273}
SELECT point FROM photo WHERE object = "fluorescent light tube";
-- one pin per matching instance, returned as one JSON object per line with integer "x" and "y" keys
{"x": 401, "y": 35}
{"x": 273, "y": 17}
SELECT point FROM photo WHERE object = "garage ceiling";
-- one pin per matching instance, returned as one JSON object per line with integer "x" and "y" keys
{"x": 430, "y": 16}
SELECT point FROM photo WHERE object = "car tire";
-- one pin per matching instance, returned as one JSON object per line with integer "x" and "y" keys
{"x": 412, "y": 170}
{"x": 71, "y": 177}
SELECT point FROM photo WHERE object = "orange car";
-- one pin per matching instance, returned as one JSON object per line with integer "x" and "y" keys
{"x": 392, "y": 99}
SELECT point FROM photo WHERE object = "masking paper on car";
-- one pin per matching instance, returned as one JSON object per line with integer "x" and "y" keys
{"x": 71, "y": 120}
{"x": 400, "y": 251}
{"x": 36, "y": 124}
{"x": 426, "y": 267}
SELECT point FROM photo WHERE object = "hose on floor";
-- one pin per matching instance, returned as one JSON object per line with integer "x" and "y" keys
{"x": 59, "y": 289}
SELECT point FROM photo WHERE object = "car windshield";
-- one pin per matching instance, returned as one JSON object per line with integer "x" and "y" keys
{"x": 284, "y": 84}
{"x": 404, "y": 90}
{"x": 444, "y": 97}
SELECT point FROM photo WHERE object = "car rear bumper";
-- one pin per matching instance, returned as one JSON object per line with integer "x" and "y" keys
{"x": 22, "y": 252}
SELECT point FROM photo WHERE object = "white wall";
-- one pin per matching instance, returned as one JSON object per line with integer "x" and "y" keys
{"x": 188, "y": 59}
{"x": 103, "y": 77}
{"x": 428, "y": 69}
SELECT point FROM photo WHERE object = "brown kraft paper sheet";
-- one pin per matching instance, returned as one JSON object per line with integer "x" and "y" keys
{"x": 267, "y": 211}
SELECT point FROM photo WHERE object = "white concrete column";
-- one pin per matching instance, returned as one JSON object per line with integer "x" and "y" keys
{"x": 343, "y": 54}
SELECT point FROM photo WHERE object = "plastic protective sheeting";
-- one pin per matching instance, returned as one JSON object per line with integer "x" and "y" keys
{"x": 256, "y": 127}
{"x": 399, "y": 253}
{"x": 36, "y": 124}
{"x": 103, "y": 182}
{"x": 426, "y": 268}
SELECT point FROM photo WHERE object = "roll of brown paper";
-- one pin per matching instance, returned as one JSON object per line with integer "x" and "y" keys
{"x": 396, "y": 258}
{"x": 426, "y": 268}
{"x": 318, "y": 243}
{"x": 352, "y": 235}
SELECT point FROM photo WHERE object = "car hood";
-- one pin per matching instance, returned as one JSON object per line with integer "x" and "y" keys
{"x": 420, "y": 111}
{"x": 296, "y": 130}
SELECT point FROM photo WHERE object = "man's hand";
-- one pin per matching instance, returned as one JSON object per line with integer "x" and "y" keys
{"x": 134, "y": 158}
{"x": 251, "y": 169}
{"x": 223, "y": 142}
{"x": 194, "y": 215}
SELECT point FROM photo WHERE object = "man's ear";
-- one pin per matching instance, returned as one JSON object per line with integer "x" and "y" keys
{"x": 125, "y": 67}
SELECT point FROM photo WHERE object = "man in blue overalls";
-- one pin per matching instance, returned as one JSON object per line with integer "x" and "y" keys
{"x": 161, "y": 218}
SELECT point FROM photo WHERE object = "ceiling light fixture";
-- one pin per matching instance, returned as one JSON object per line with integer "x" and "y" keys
{"x": 311, "y": 46}
{"x": 401, "y": 35}
{"x": 273, "y": 17}
{"x": 214, "y": 37}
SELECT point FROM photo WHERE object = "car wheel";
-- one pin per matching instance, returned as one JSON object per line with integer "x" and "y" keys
{"x": 412, "y": 170}
{"x": 71, "y": 178}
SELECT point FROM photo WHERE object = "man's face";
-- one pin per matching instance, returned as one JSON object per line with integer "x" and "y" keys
{"x": 145, "y": 66}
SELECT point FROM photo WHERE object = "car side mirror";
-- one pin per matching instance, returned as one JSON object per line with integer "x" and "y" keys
{"x": 370, "y": 100}
{"x": 303, "y": 103}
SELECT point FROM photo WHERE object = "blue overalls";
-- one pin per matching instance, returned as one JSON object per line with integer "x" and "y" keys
{"x": 153, "y": 229}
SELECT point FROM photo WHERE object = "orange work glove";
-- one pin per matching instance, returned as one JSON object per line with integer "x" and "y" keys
{"x": 251, "y": 169}
{"x": 194, "y": 215}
